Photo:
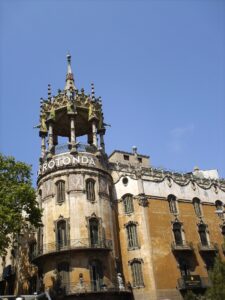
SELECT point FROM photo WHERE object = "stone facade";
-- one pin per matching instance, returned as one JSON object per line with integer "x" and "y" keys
{"x": 114, "y": 227}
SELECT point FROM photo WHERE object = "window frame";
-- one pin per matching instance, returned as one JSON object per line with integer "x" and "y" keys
{"x": 137, "y": 273}
{"x": 132, "y": 236}
{"x": 173, "y": 206}
{"x": 197, "y": 207}
{"x": 128, "y": 204}
{"x": 90, "y": 189}
{"x": 60, "y": 191}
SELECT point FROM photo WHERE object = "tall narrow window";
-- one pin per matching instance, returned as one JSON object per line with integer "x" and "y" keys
{"x": 61, "y": 234}
{"x": 96, "y": 275}
{"x": 177, "y": 231}
{"x": 203, "y": 234}
{"x": 172, "y": 204}
{"x": 94, "y": 232}
{"x": 184, "y": 267}
{"x": 197, "y": 207}
{"x": 60, "y": 185}
{"x": 137, "y": 276}
{"x": 219, "y": 208}
{"x": 63, "y": 272}
{"x": 132, "y": 236}
{"x": 128, "y": 204}
{"x": 90, "y": 189}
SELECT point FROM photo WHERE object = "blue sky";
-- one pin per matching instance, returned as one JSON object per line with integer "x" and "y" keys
{"x": 158, "y": 65}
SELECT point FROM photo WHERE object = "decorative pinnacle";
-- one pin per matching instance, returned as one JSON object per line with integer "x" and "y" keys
{"x": 69, "y": 76}
{"x": 92, "y": 91}
{"x": 49, "y": 92}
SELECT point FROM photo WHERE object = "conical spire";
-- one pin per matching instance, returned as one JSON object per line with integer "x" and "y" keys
{"x": 69, "y": 76}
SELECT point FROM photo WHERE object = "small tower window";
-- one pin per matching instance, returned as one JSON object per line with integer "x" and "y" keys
{"x": 219, "y": 208}
{"x": 128, "y": 204}
{"x": 172, "y": 204}
{"x": 197, "y": 207}
{"x": 132, "y": 236}
{"x": 90, "y": 189}
{"x": 136, "y": 270}
{"x": 60, "y": 186}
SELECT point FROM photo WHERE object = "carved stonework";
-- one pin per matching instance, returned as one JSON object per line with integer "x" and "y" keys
{"x": 76, "y": 182}
{"x": 143, "y": 200}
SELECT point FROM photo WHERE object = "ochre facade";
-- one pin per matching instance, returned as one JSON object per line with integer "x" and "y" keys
{"x": 113, "y": 226}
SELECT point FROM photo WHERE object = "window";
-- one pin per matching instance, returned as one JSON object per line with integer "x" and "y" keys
{"x": 60, "y": 185}
{"x": 126, "y": 157}
{"x": 177, "y": 231}
{"x": 140, "y": 159}
{"x": 172, "y": 204}
{"x": 94, "y": 232}
{"x": 136, "y": 271}
{"x": 90, "y": 189}
{"x": 223, "y": 230}
{"x": 61, "y": 234}
{"x": 219, "y": 208}
{"x": 203, "y": 234}
{"x": 63, "y": 274}
{"x": 197, "y": 208}
{"x": 132, "y": 235}
{"x": 96, "y": 275}
{"x": 184, "y": 267}
{"x": 128, "y": 204}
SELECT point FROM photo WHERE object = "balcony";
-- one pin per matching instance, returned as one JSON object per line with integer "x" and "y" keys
{"x": 76, "y": 244}
{"x": 84, "y": 287}
{"x": 193, "y": 282}
{"x": 182, "y": 246}
{"x": 63, "y": 148}
{"x": 210, "y": 247}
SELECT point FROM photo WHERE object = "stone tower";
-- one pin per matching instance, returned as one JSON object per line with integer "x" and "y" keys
{"x": 77, "y": 251}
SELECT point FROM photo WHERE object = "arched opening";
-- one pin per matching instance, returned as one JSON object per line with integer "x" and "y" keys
{"x": 96, "y": 274}
{"x": 172, "y": 204}
{"x": 94, "y": 232}
{"x": 61, "y": 234}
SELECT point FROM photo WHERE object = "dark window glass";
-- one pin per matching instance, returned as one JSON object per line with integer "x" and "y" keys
{"x": 137, "y": 276}
{"x": 132, "y": 236}
{"x": 172, "y": 204}
{"x": 60, "y": 191}
{"x": 203, "y": 235}
{"x": 177, "y": 233}
{"x": 126, "y": 157}
{"x": 90, "y": 189}
{"x": 128, "y": 204}
{"x": 96, "y": 275}
{"x": 197, "y": 208}
{"x": 61, "y": 234}
{"x": 94, "y": 232}
{"x": 63, "y": 271}
{"x": 184, "y": 267}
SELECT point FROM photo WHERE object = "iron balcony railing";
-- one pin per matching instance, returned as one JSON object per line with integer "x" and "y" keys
{"x": 83, "y": 287}
{"x": 208, "y": 247}
{"x": 102, "y": 244}
{"x": 193, "y": 282}
{"x": 182, "y": 246}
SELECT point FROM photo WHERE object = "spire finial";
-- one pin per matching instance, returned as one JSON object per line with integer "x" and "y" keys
{"x": 69, "y": 76}
{"x": 92, "y": 91}
{"x": 49, "y": 92}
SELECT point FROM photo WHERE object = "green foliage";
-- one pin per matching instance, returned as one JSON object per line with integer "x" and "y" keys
{"x": 217, "y": 277}
{"x": 190, "y": 296}
{"x": 18, "y": 203}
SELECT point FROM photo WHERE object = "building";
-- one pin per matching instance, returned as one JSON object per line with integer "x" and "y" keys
{"x": 115, "y": 227}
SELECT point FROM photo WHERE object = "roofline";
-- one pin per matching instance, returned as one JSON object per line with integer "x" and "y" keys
{"x": 129, "y": 153}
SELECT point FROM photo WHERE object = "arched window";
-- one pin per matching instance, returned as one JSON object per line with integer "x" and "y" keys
{"x": 197, "y": 207}
{"x": 90, "y": 189}
{"x": 132, "y": 235}
{"x": 61, "y": 234}
{"x": 219, "y": 208}
{"x": 63, "y": 272}
{"x": 94, "y": 232}
{"x": 177, "y": 231}
{"x": 203, "y": 234}
{"x": 96, "y": 273}
{"x": 172, "y": 204}
{"x": 136, "y": 270}
{"x": 60, "y": 193}
{"x": 128, "y": 204}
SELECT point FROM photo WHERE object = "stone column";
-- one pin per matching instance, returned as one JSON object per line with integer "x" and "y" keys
{"x": 72, "y": 135}
{"x": 102, "y": 143}
{"x": 94, "y": 133}
{"x": 50, "y": 140}
{"x": 43, "y": 146}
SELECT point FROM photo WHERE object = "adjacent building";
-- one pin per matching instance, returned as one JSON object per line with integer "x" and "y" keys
{"x": 114, "y": 226}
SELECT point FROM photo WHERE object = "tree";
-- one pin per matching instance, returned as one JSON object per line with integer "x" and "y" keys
{"x": 190, "y": 296}
{"x": 217, "y": 277}
{"x": 18, "y": 205}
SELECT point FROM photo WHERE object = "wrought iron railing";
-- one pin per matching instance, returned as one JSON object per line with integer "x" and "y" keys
{"x": 70, "y": 245}
{"x": 208, "y": 247}
{"x": 63, "y": 148}
{"x": 183, "y": 245}
{"x": 83, "y": 287}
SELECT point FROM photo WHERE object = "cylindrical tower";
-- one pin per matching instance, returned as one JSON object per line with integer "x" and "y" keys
{"x": 76, "y": 250}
